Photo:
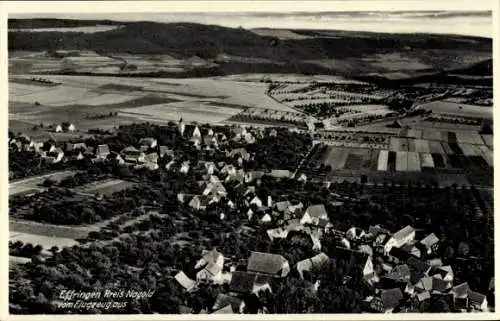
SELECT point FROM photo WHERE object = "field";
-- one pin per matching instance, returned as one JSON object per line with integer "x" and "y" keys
{"x": 106, "y": 187}
{"x": 135, "y": 99}
{"x": 89, "y": 29}
{"x": 444, "y": 107}
{"x": 46, "y": 241}
{"x": 22, "y": 186}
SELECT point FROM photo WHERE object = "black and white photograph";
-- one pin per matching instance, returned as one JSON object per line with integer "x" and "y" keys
{"x": 296, "y": 159}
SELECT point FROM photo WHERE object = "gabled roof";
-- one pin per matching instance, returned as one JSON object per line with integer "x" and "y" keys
{"x": 404, "y": 232}
{"x": 185, "y": 281}
{"x": 418, "y": 268}
{"x": 130, "y": 149}
{"x": 399, "y": 253}
{"x": 391, "y": 298}
{"x": 282, "y": 206}
{"x": 242, "y": 282}
{"x": 430, "y": 240}
{"x": 315, "y": 261}
{"x": 476, "y": 298}
{"x": 147, "y": 140}
{"x": 266, "y": 263}
{"x": 316, "y": 211}
{"x": 102, "y": 150}
{"x": 400, "y": 272}
{"x": 224, "y": 300}
{"x": 461, "y": 290}
{"x": 423, "y": 296}
{"x": 225, "y": 310}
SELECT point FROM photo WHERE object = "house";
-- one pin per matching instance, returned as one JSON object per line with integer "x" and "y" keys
{"x": 210, "y": 168}
{"x": 268, "y": 264}
{"x": 422, "y": 296}
{"x": 69, "y": 127}
{"x": 196, "y": 136}
{"x": 55, "y": 155}
{"x": 355, "y": 233}
{"x": 132, "y": 155}
{"x": 355, "y": 258}
{"x": 443, "y": 272}
{"x": 280, "y": 173}
{"x": 184, "y": 167}
{"x": 313, "y": 262}
{"x": 302, "y": 178}
{"x": 58, "y": 129}
{"x": 215, "y": 188}
{"x": 282, "y": 206}
{"x": 478, "y": 301}
{"x": 149, "y": 142}
{"x": 432, "y": 284}
{"x": 277, "y": 233}
{"x": 200, "y": 202}
{"x": 435, "y": 262}
{"x": 253, "y": 175}
{"x": 223, "y": 301}
{"x": 461, "y": 294}
{"x": 185, "y": 281}
{"x": 266, "y": 218}
{"x": 430, "y": 243}
{"x": 165, "y": 151}
{"x": 236, "y": 175}
{"x": 75, "y": 146}
{"x": 400, "y": 273}
{"x": 75, "y": 155}
{"x": 388, "y": 300}
{"x": 102, "y": 151}
{"x": 242, "y": 152}
{"x": 249, "y": 282}
{"x": 418, "y": 268}
{"x": 114, "y": 157}
{"x": 411, "y": 247}
{"x": 239, "y": 132}
{"x": 400, "y": 238}
{"x": 273, "y": 133}
{"x": 313, "y": 214}
{"x": 211, "y": 265}
{"x": 256, "y": 201}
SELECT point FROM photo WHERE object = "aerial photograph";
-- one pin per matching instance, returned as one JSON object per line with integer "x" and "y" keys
{"x": 322, "y": 162}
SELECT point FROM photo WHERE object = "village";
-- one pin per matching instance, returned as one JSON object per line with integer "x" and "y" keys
{"x": 401, "y": 268}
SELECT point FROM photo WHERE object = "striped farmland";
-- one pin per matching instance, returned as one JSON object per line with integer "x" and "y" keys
{"x": 426, "y": 160}
{"x": 383, "y": 160}
{"x": 401, "y": 161}
{"x": 413, "y": 162}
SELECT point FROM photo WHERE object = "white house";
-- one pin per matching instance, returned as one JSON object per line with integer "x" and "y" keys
{"x": 313, "y": 214}
{"x": 257, "y": 201}
{"x": 211, "y": 265}
{"x": 400, "y": 238}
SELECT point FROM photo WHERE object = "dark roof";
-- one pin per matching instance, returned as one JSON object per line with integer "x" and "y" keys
{"x": 399, "y": 254}
{"x": 355, "y": 258}
{"x": 242, "y": 282}
{"x": 400, "y": 272}
{"x": 265, "y": 263}
{"x": 391, "y": 298}
{"x": 417, "y": 268}
{"x": 476, "y": 297}
{"x": 224, "y": 300}
{"x": 440, "y": 285}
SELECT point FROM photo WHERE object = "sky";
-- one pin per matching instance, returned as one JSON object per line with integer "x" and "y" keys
{"x": 474, "y": 23}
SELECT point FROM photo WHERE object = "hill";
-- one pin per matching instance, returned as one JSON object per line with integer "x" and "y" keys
{"x": 341, "y": 52}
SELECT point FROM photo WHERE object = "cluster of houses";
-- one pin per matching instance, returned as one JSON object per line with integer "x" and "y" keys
{"x": 402, "y": 271}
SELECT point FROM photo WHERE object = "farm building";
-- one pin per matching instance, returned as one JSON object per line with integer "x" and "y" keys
{"x": 268, "y": 264}
{"x": 400, "y": 238}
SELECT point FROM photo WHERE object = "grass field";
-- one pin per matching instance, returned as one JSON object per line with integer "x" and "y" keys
{"x": 46, "y": 241}
{"x": 107, "y": 187}
{"x": 444, "y": 107}
{"x": 27, "y": 184}
{"x": 89, "y": 29}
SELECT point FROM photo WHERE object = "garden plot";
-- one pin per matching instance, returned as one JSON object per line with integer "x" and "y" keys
{"x": 402, "y": 161}
{"x": 444, "y": 107}
{"x": 435, "y": 147}
{"x": 413, "y": 162}
{"x": 414, "y": 133}
{"x": 422, "y": 146}
{"x": 468, "y": 149}
{"x": 469, "y": 137}
{"x": 383, "y": 158}
{"x": 487, "y": 154}
{"x": 488, "y": 140}
{"x": 431, "y": 134}
{"x": 59, "y": 95}
{"x": 426, "y": 160}
{"x": 336, "y": 157}
{"x": 447, "y": 149}
{"x": 398, "y": 144}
